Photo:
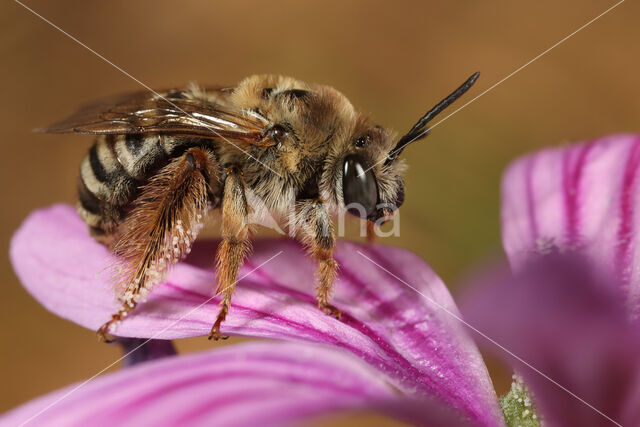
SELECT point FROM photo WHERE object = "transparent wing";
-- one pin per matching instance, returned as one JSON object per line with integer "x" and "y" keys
{"x": 174, "y": 112}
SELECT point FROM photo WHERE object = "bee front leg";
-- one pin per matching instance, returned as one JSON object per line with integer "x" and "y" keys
{"x": 235, "y": 243}
{"x": 315, "y": 230}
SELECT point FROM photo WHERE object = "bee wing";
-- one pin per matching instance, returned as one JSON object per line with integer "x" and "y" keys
{"x": 174, "y": 112}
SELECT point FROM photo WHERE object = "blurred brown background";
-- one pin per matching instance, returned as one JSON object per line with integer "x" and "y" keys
{"x": 393, "y": 60}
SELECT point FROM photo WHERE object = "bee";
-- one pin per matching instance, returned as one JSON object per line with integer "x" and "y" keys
{"x": 162, "y": 161}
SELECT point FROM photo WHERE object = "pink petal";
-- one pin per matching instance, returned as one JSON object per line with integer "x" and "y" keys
{"x": 561, "y": 317}
{"x": 422, "y": 349}
{"x": 579, "y": 196}
{"x": 246, "y": 384}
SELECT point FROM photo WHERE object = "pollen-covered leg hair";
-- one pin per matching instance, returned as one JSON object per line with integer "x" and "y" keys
{"x": 314, "y": 228}
{"x": 161, "y": 227}
{"x": 235, "y": 242}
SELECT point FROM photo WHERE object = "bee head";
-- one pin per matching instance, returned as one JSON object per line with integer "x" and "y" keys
{"x": 370, "y": 188}
{"x": 372, "y": 184}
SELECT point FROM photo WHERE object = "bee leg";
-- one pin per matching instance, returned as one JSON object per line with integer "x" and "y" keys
{"x": 315, "y": 230}
{"x": 159, "y": 230}
{"x": 103, "y": 332}
{"x": 235, "y": 243}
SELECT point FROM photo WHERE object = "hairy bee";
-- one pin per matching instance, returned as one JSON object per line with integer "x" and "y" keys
{"x": 162, "y": 160}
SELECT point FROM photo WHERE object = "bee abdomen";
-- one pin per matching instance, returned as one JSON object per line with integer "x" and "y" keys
{"x": 105, "y": 188}
{"x": 101, "y": 217}
{"x": 104, "y": 176}
{"x": 114, "y": 170}
{"x": 141, "y": 154}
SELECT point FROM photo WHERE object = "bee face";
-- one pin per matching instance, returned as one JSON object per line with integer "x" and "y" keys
{"x": 371, "y": 187}
{"x": 367, "y": 172}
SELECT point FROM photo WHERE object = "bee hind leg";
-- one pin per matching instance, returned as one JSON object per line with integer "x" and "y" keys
{"x": 313, "y": 227}
{"x": 104, "y": 332}
{"x": 235, "y": 243}
{"x": 161, "y": 227}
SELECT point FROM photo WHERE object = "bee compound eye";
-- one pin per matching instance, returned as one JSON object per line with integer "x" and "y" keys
{"x": 359, "y": 187}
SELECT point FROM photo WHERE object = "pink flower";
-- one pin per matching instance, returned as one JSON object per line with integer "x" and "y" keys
{"x": 239, "y": 385}
{"x": 570, "y": 310}
{"x": 566, "y": 333}
{"x": 578, "y": 197}
{"x": 414, "y": 348}
{"x": 565, "y": 318}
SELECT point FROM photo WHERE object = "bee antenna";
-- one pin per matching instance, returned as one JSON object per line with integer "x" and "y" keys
{"x": 419, "y": 130}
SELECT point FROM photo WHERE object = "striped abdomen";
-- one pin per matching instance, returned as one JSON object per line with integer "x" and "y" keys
{"x": 111, "y": 173}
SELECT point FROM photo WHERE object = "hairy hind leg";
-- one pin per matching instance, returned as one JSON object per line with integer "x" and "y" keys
{"x": 160, "y": 229}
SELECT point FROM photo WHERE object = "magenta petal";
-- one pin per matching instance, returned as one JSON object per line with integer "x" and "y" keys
{"x": 579, "y": 196}
{"x": 422, "y": 349}
{"x": 247, "y": 384}
{"x": 561, "y": 317}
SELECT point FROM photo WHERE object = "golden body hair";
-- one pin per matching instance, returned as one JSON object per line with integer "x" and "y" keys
{"x": 161, "y": 162}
